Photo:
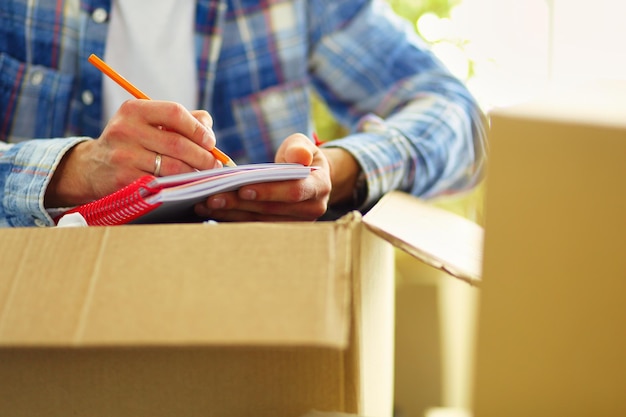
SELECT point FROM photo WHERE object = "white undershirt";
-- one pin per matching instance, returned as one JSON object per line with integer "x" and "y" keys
{"x": 151, "y": 44}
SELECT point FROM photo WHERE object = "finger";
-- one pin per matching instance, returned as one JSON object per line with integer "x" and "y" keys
{"x": 203, "y": 117}
{"x": 175, "y": 117}
{"x": 161, "y": 165}
{"x": 182, "y": 154}
{"x": 142, "y": 143}
{"x": 292, "y": 191}
{"x": 296, "y": 148}
{"x": 304, "y": 210}
{"x": 316, "y": 186}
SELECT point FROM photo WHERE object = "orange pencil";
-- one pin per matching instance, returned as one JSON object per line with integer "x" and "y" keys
{"x": 137, "y": 93}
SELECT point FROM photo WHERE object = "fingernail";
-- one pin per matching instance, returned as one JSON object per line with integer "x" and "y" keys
{"x": 208, "y": 137}
{"x": 248, "y": 194}
{"x": 217, "y": 203}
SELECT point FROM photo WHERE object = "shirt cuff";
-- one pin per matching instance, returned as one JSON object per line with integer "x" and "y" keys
{"x": 370, "y": 147}
{"x": 26, "y": 185}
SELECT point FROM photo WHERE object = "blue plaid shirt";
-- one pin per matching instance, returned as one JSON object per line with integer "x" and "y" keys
{"x": 412, "y": 125}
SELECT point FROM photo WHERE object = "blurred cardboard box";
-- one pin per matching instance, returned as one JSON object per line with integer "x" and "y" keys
{"x": 263, "y": 319}
{"x": 551, "y": 339}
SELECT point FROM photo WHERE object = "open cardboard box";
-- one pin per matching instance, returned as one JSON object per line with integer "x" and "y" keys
{"x": 237, "y": 319}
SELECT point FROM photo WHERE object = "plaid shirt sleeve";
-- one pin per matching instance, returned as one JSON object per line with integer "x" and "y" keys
{"x": 43, "y": 49}
{"x": 25, "y": 171}
{"x": 414, "y": 126}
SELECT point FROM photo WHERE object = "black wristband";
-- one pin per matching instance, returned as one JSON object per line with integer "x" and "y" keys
{"x": 359, "y": 193}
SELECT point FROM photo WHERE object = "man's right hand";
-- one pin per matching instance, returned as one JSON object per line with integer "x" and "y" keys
{"x": 128, "y": 148}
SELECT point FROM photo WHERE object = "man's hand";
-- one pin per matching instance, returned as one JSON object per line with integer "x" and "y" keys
{"x": 295, "y": 200}
{"x": 128, "y": 148}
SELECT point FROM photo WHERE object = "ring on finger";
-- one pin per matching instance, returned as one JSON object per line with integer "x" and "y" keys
{"x": 157, "y": 165}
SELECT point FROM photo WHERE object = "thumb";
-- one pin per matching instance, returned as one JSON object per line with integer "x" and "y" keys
{"x": 297, "y": 149}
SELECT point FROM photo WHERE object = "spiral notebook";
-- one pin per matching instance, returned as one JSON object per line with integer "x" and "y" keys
{"x": 169, "y": 199}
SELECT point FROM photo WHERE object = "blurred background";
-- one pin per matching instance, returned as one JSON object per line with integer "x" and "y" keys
{"x": 507, "y": 51}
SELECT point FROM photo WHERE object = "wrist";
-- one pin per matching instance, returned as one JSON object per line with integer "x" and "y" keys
{"x": 349, "y": 182}
{"x": 67, "y": 187}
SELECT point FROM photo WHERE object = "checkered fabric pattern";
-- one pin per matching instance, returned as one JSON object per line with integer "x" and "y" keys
{"x": 412, "y": 125}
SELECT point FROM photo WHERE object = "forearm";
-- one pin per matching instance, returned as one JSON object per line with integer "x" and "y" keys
{"x": 414, "y": 127}
{"x": 344, "y": 170}
{"x": 433, "y": 145}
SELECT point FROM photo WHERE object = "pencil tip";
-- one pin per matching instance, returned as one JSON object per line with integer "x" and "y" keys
{"x": 230, "y": 163}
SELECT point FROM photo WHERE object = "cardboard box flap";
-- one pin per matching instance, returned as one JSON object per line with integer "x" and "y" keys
{"x": 437, "y": 237}
{"x": 166, "y": 284}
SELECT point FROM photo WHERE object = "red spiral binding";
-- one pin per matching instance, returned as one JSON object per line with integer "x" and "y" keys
{"x": 120, "y": 207}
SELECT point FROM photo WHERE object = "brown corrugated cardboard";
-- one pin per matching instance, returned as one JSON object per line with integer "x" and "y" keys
{"x": 551, "y": 339}
{"x": 438, "y": 238}
{"x": 204, "y": 320}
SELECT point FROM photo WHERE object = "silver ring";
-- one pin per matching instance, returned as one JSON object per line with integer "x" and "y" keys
{"x": 157, "y": 165}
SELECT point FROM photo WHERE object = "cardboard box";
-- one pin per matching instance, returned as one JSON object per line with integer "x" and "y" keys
{"x": 238, "y": 319}
{"x": 551, "y": 338}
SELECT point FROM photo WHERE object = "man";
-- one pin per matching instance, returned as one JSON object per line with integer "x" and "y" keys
{"x": 251, "y": 67}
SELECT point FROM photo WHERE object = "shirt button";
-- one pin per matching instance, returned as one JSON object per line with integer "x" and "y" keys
{"x": 36, "y": 78}
{"x": 99, "y": 15}
{"x": 40, "y": 223}
{"x": 87, "y": 97}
